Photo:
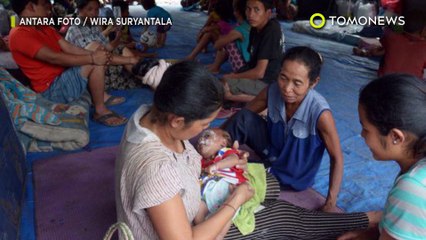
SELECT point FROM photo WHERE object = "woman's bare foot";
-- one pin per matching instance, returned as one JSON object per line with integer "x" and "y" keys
{"x": 374, "y": 218}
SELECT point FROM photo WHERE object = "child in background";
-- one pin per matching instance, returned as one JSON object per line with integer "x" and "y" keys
{"x": 219, "y": 22}
{"x": 234, "y": 45}
{"x": 155, "y": 11}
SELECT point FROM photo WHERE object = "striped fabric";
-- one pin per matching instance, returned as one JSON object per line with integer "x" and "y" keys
{"x": 404, "y": 215}
{"x": 282, "y": 220}
{"x": 148, "y": 174}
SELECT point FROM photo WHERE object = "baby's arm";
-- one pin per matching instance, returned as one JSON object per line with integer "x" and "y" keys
{"x": 228, "y": 162}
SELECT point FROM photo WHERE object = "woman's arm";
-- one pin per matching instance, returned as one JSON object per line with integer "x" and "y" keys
{"x": 69, "y": 48}
{"x": 260, "y": 102}
{"x": 122, "y": 60}
{"x": 328, "y": 132}
{"x": 228, "y": 38}
{"x": 255, "y": 73}
{"x": 369, "y": 234}
{"x": 170, "y": 220}
{"x": 67, "y": 60}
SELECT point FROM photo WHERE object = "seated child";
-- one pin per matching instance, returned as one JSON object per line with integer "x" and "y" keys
{"x": 219, "y": 171}
{"x": 124, "y": 33}
{"x": 219, "y": 23}
{"x": 155, "y": 11}
{"x": 234, "y": 45}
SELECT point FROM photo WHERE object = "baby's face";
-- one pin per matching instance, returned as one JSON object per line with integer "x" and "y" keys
{"x": 210, "y": 142}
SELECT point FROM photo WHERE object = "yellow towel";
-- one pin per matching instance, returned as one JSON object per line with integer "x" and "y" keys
{"x": 256, "y": 176}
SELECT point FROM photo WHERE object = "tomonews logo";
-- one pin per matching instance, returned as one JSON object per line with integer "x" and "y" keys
{"x": 342, "y": 21}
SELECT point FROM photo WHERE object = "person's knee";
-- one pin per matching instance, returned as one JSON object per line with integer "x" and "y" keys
{"x": 127, "y": 52}
{"x": 241, "y": 120}
{"x": 88, "y": 71}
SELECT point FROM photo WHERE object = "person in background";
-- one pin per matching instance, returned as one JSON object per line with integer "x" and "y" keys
{"x": 58, "y": 70}
{"x": 219, "y": 23}
{"x": 119, "y": 74}
{"x": 266, "y": 49}
{"x": 234, "y": 45}
{"x": 154, "y": 11}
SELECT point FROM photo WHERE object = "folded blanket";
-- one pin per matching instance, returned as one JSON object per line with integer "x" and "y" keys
{"x": 245, "y": 221}
{"x": 21, "y": 102}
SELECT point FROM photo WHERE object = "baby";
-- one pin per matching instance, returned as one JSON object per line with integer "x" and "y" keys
{"x": 219, "y": 172}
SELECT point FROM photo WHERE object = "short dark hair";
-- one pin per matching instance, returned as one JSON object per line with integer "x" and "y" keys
{"x": 397, "y": 101}
{"x": 19, "y": 5}
{"x": 309, "y": 57}
{"x": 80, "y": 4}
{"x": 187, "y": 89}
{"x": 268, "y": 4}
{"x": 148, "y": 4}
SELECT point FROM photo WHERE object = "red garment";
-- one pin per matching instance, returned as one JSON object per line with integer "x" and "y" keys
{"x": 394, "y": 5}
{"x": 239, "y": 172}
{"x": 25, "y": 42}
{"x": 404, "y": 53}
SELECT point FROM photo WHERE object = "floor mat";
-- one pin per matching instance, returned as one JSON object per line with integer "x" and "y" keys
{"x": 74, "y": 195}
{"x": 309, "y": 199}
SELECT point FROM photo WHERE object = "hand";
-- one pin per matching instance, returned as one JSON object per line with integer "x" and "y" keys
{"x": 242, "y": 162}
{"x": 212, "y": 169}
{"x": 101, "y": 57}
{"x": 100, "y": 48}
{"x": 109, "y": 29}
{"x": 369, "y": 234}
{"x": 328, "y": 207}
{"x": 134, "y": 59}
{"x": 242, "y": 192}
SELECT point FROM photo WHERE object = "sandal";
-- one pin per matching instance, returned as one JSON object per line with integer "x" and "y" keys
{"x": 104, "y": 119}
{"x": 114, "y": 100}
